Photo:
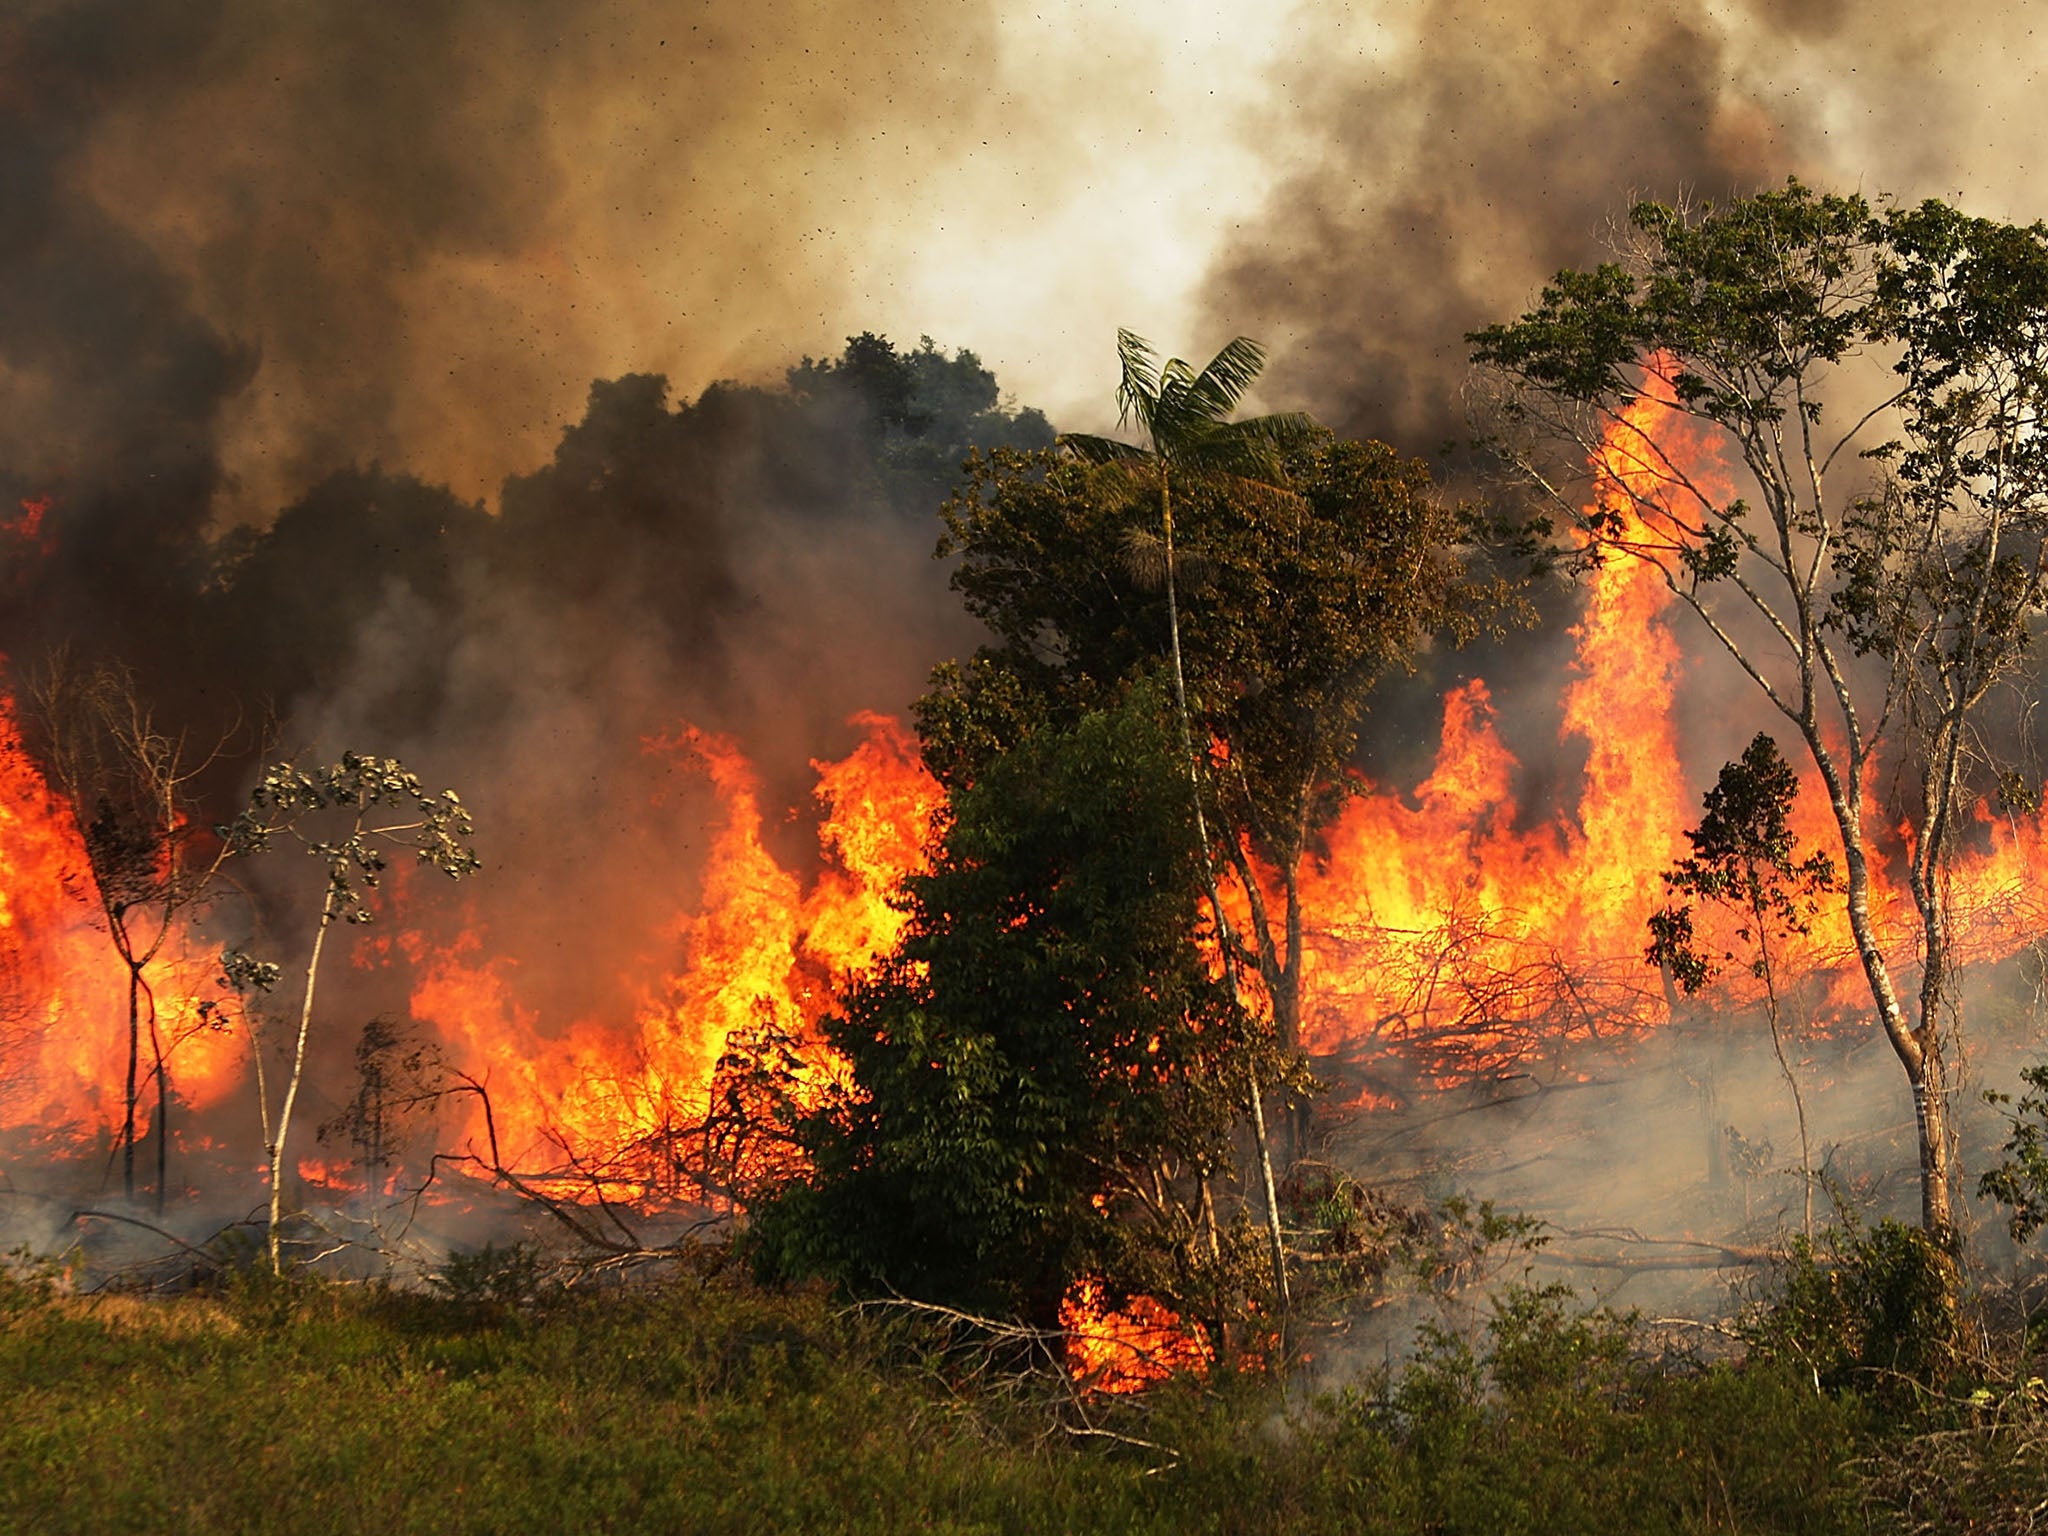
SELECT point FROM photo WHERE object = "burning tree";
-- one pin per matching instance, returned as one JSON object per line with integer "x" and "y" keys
{"x": 130, "y": 789}
{"x": 1875, "y": 615}
{"x": 1046, "y": 1076}
{"x": 347, "y": 816}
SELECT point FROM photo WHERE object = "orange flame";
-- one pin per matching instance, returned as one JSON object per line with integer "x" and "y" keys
{"x": 758, "y": 948}
{"x": 63, "y": 990}
{"x": 1128, "y": 1348}
{"x": 1456, "y": 931}
{"x": 1437, "y": 921}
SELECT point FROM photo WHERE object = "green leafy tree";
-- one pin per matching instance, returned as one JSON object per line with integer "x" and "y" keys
{"x": 1744, "y": 857}
{"x": 1280, "y": 571}
{"x": 1875, "y": 579}
{"x": 2020, "y": 1180}
{"x": 1184, "y": 415}
{"x": 350, "y": 817}
{"x": 917, "y": 412}
{"x": 1045, "y": 1077}
{"x": 1286, "y": 600}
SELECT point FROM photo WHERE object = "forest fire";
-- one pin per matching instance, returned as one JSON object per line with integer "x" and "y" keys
{"x": 760, "y": 950}
{"x": 1456, "y": 934}
{"x": 1455, "y": 929}
{"x": 1126, "y": 1349}
{"x": 1466, "y": 930}
{"x": 1470, "y": 936}
{"x": 671, "y": 808}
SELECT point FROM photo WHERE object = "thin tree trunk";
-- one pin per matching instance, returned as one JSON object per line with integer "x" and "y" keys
{"x": 1930, "y": 1107}
{"x": 1710, "y": 1118}
{"x": 1187, "y": 747}
{"x": 163, "y": 1156}
{"x": 128, "y": 1098}
{"x": 1272, "y": 1203}
{"x": 1785, "y": 1066}
{"x": 156, "y": 1050}
{"x": 1919, "y": 1051}
{"x": 1930, "y": 1089}
{"x": 1930, "y": 1083}
{"x": 1287, "y": 996}
{"x": 291, "y": 1092}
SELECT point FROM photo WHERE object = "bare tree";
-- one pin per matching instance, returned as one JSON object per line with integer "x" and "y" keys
{"x": 131, "y": 789}
{"x": 398, "y": 1075}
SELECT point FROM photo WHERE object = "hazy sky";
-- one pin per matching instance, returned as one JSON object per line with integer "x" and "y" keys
{"x": 417, "y": 233}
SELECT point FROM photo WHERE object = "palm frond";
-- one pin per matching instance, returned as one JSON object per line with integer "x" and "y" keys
{"x": 1100, "y": 450}
{"x": 1170, "y": 414}
{"x": 1285, "y": 430}
{"x": 1253, "y": 449}
{"x": 1216, "y": 391}
{"x": 1137, "y": 390}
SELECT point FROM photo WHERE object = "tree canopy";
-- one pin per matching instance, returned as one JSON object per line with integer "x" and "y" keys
{"x": 1297, "y": 598}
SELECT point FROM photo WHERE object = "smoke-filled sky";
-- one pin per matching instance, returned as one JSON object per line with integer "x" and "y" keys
{"x": 314, "y": 233}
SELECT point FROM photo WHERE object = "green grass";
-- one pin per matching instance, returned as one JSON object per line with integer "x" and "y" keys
{"x": 707, "y": 1405}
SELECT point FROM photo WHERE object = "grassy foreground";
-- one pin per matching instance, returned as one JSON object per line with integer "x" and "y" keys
{"x": 704, "y": 1404}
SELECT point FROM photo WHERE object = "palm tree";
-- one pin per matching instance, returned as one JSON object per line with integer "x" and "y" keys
{"x": 1185, "y": 416}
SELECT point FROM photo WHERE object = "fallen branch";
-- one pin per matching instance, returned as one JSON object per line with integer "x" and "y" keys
{"x": 168, "y": 1237}
{"x": 1708, "y": 1256}
{"x": 1088, "y": 1431}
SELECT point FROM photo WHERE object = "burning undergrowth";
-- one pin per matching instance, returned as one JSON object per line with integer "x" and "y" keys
{"x": 583, "y": 666}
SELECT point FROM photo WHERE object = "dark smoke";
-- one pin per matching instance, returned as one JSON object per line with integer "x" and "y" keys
{"x": 1449, "y": 186}
{"x": 1441, "y": 187}
{"x": 756, "y": 563}
{"x": 250, "y": 247}
{"x": 274, "y": 277}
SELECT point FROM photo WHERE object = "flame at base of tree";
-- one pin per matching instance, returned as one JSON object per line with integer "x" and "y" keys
{"x": 1128, "y": 1348}
{"x": 63, "y": 990}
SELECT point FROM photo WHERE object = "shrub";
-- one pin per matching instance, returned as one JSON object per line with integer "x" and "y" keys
{"x": 1871, "y": 1309}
